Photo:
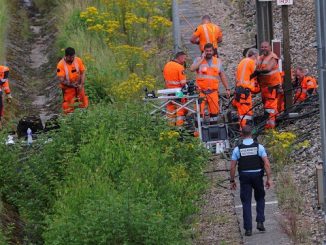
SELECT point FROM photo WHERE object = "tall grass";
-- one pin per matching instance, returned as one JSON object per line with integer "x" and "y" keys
{"x": 112, "y": 57}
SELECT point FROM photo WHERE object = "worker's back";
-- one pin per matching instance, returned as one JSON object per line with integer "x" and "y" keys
{"x": 174, "y": 74}
{"x": 208, "y": 33}
{"x": 245, "y": 68}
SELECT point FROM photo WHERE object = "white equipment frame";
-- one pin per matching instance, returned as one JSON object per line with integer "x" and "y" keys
{"x": 192, "y": 105}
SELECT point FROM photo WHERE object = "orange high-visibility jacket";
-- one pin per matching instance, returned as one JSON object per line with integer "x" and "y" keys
{"x": 245, "y": 68}
{"x": 71, "y": 72}
{"x": 207, "y": 76}
{"x": 306, "y": 84}
{"x": 208, "y": 33}
{"x": 273, "y": 77}
{"x": 174, "y": 75}
{"x": 5, "y": 83}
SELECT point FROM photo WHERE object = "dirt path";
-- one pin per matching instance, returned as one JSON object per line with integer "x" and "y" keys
{"x": 217, "y": 222}
{"x": 31, "y": 58}
{"x": 221, "y": 212}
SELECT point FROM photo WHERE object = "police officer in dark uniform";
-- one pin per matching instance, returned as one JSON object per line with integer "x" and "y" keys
{"x": 252, "y": 161}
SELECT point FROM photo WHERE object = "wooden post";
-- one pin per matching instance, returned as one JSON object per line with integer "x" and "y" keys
{"x": 287, "y": 58}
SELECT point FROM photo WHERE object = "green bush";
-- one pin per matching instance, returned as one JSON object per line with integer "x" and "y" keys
{"x": 132, "y": 182}
{"x": 113, "y": 167}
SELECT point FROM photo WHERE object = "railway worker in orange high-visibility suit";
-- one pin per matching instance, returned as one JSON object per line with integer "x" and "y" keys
{"x": 4, "y": 89}
{"x": 175, "y": 77}
{"x": 207, "y": 32}
{"x": 269, "y": 78}
{"x": 71, "y": 75}
{"x": 307, "y": 85}
{"x": 245, "y": 87}
{"x": 209, "y": 69}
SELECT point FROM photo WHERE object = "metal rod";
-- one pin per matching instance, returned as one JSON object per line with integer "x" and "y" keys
{"x": 321, "y": 41}
{"x": 187, "y": 21}
{"x": 198, "y": 120}
{"x": 176, "y": 26}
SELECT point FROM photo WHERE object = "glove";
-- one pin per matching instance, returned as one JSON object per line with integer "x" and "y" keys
{"x": 255, "y": 74}
{"x": 9, "y": 98}
{"x": 3, "y": 80}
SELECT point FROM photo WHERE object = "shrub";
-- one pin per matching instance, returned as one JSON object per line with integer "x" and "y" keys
{"x": 128, "y": 183}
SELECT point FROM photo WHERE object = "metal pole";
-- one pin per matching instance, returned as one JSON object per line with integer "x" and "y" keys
{"x": 287, "y": 57}
{"x": 176, "y": 26}
{"x": 198, "y": 120}
{"x": 321, "y": 40}
{"x": 264, "y": 22}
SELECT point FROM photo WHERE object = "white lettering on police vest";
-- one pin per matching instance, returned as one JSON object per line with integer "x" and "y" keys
{"x": 248, "y": 151}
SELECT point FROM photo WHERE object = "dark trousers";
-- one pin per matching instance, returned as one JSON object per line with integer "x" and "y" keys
{"x": 249, "y": 181}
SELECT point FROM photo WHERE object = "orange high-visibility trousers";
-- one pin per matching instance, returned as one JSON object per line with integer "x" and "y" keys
{"x": 270, "y": 100}
{"x": 176, "y": 117}
{"x": 73, "y": 96}
{"x": 244, "y": 110}
{"x": 211, "y": 99}
{"x": 280, "y": 102}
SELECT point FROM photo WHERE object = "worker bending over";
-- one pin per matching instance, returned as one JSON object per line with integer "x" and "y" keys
{"x": 209, "y": 68}
{"x": 205, "y": 33}
{"x": 4, "y": 89}
{"x": 245, "y": 86}
{"x": 305, "y": 86}
{"x": 71, "y": 75}
{"x": 175, "y": 77}
{"x": 270, "y": 80}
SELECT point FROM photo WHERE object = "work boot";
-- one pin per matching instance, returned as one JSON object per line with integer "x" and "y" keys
{"x": 248, "y": 232}
{"x": 260, "y": 226}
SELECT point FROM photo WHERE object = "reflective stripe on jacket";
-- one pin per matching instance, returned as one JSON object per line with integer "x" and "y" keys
{"x": 207, "y": 76}
{"x": 273, "y": 77}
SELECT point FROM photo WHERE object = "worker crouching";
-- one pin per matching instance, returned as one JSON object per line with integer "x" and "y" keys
{"x": 209, "y": 69}
{"x": 71, "y": 75}
{"x": 246, "y": 85}
{"x": 305, "y": 86}
{"x": 175, "y": 77}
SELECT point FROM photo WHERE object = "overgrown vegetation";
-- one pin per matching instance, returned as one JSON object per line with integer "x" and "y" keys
{"x": 111, "y": 174}
{"x": 280, "y": 146}
{"x": 112, "y": 181}
{"x": 120, "y": 44}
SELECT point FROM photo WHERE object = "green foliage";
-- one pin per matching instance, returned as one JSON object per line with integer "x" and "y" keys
{"x": 291, "y": 202}
{"x": 111, "y": 174}
{"x": 280, "y": 146}
{"x": 117, "y": 40}
{"x": 127, "y": 184}
{"x": 114, "y": 175}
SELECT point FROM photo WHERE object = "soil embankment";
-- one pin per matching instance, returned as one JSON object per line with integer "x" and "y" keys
{"x": 31, "y": 57}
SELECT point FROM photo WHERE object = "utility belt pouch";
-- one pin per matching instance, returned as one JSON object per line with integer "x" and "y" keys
{"x": 208, "y": 91}
{"x": 241, "y": 93}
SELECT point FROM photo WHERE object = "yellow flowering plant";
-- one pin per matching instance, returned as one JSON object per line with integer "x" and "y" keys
{"x": 280, "y": 146}
{"x": 133, "y": 31}
{"x": 133, "y": 86}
